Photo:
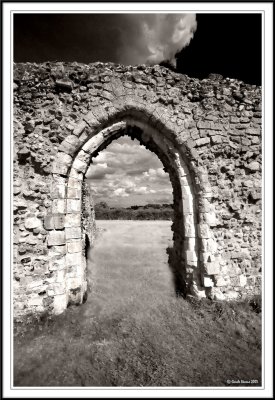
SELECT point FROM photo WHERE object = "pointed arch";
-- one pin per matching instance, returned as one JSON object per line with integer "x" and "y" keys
{"x": 193, "y": 256}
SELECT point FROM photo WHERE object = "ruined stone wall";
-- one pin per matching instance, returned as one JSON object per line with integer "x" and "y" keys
{"x": 215, "y": 124}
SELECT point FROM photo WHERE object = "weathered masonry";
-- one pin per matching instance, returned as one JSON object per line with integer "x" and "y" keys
{"x": 207, "y": 135}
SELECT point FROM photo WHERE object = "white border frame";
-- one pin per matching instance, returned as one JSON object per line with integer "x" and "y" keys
{"x": 266, "y": 391}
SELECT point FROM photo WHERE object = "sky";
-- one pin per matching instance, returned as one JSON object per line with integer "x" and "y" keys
{"x": 194, "y": 44}
{"x": 126, "y": 174}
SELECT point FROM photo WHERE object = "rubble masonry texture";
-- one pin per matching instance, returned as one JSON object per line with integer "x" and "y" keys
{"x": 207, "y": 133}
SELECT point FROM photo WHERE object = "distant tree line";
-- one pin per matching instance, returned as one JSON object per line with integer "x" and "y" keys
{"x": 146, "y": 212}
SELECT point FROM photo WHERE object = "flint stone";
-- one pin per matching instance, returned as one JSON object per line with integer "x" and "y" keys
{"x": 253, "y": 166}
{"x": 32, "y": 222}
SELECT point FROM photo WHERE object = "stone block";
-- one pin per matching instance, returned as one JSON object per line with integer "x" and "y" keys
{"x": 242, "y": 280}
{"x": 216, "y": 294}
{"x": 74, "y": 271}
{"x": 74, "y": 246}
{"x": 58, "y": 206}
{"x": 63, "y": 158}
{"x": 79, "y": 128}
{"x": 83, "y": 156}
{"x": 73, "y": 233}
{"x": 91, "y": 119}
{"x": 32, "y": 223}
{"x": 57, "y": 250}
{"x": 189, "y": 243}
{"x": 59, "y": 303}
{"x": 74, "y": 183}
{"x": 56, "y": 238}
{"x": 58, "y": 191}
{"x": 211, "y": 268}
{"x": 64, "y": 83}
{"x": 57, "y": 263}
{"x": 75, "y": 283}
{"x": 209, "y": 245}
{"x": 189, "y": 226}
{"x": 204, "y": 205}
{"x": 207, "y": 281}
{"x": 59, "y": 288}
{"x": 60, "y": 275}
{"x": 191, "y": 256}
{"x": 207, "y": 257}
{"x": 215, "y": 139}
{"x": 73, "y": 205}
{"x": 219, "y": 281}
{"x": 253, "y": 131}
{"x": 253, "y": 166}
{"x": 204, "y": 125}
{"x": 73, "y": 258}
{"x": 59, "y": 221}
{"x": 79, "y": 165}
{"x": 35, "y": 301}
{"x": 185, "y": 189}
{"x": 187, "y": 203}
{"x": 35, "y": 284}
{"x": 72, "y": 220}
{"x": 231, "y": 295}
{"x": 216, "y": 126}
{"x": 67, "y": 148}
{"x": 202, "y": 141}
{"x": 204, "y": 231}
{"x": 73, "y": 193}
{"x": 58, "y": 168}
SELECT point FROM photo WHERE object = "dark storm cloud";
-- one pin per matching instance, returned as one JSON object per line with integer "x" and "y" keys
{"x": 120, "y": 38}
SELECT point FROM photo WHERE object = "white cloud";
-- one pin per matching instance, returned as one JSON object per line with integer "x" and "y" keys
{"x": 167, "y": 34}
{"x": 120, "y": 192}
{"x": 129, "y": 172}
{"x": 152, "y": 38}
{"x": 154, "y": 175}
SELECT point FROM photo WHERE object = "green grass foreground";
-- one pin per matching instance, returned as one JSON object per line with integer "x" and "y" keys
{"x": 133, "y": 331}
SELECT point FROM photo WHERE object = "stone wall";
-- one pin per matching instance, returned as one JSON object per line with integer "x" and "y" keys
{"x": 208, "y": 136}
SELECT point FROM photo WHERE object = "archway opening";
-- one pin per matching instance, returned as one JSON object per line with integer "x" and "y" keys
{"x": 133, "y": 202}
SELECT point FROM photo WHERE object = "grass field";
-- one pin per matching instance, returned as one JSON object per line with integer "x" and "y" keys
{"x": 133, "y": 331}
